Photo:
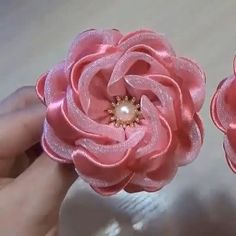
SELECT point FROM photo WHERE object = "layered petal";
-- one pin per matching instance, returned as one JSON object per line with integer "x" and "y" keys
{"x": 83, "y": 122}
{"x": 55, "y": 147}
{"x": 68, "y": 132}
{"x": 189, "y": 142}
{"x": 189, "y": 75}
{"x": 108, "y": 191}
{"x": 149, "y": 38}
{"x": 229, "y": 147}
{"x": 91, "y": 73}
{"x": 116, "y": 85}
{"x": 97, "y": 174}
{"x": 55, "y": 84}
{"x": 111, "y": 153}
{"x": 223, "y": 105}
{"x": 155, "y": 180}
{"x": 40, "y": 86}
{"x": 163, "y": 95}
{"x": 158, "y": 127}
{"x": 91, "y": 42}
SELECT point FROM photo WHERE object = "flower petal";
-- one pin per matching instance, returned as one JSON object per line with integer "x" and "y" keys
{"x": 155, "y": 40}
{"x": 158, "y": 127}
{"x": 162, "y": 93}
{"x": 108, "y": 191}
{"x": 89, "y": 74}
{"x": 83, "y": 122}
{"x": 54, "y": 147}
{"x": 229, "y": 147}
{"x": 153, "y": 181}
{"x": 55, "y": 84}
{"x": 40, "y": 87}
{"x": 231, "y": 136}
{"x": 165, "y": 173}
{"x": 191, "y": 76}
{"x": 116, "y": 85}
{"x": 234, "y": 66}
{"x": 189, "y": 142}
{"x": 113, "y": 153}
{"x": 223, "y": 105}
{"x": 97, "y": 174}
{"x": 89, "y": 42}
{"x": 63, "y": 127}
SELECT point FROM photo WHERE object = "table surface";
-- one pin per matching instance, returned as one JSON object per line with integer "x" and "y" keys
{"x": 201, "y": 200}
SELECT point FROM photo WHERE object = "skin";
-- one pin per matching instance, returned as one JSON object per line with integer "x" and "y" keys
{"x": 32, "y": 186}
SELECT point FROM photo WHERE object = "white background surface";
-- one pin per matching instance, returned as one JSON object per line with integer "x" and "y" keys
{"x": 34, "y": 35}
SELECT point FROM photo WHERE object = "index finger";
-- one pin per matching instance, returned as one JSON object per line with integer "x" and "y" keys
{"x": 20, "y": 130}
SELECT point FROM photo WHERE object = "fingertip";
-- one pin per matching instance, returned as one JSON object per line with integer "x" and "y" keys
{"x": 21, "y": 98}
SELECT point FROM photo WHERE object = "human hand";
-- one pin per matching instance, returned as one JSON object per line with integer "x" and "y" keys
{"x": 32, "y": 186}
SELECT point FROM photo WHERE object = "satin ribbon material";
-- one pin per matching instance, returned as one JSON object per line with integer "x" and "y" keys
{"x": 78, "y": 91}
{"x": 223, "y": 113}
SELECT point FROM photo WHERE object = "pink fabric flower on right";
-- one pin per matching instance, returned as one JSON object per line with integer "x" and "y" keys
{"x": 223, "y": 113}
{"x": 123, "y": 109}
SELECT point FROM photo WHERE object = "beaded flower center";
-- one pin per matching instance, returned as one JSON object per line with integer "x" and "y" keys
{"x": 125, "y": 112}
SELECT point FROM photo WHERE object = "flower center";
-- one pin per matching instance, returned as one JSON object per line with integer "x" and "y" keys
{"x": 125, "y": 112}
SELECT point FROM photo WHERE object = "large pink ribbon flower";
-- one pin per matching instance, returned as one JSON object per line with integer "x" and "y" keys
{"x": 223, "y": 113}
{"x": 123, "y": 109}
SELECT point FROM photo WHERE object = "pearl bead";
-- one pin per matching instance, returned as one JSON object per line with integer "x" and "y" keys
{"x": 125, "y": 111}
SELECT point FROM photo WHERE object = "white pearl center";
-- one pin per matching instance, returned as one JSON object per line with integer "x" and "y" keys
{"x": 126, "y": 111}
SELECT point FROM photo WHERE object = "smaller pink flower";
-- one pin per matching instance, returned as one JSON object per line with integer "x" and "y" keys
{"x": 223, "y": 113}
{"x": 123, "y": 109}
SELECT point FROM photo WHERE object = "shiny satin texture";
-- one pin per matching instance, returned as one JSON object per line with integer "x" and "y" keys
{"x": 100, "y": 65}
{"x": 223, "y": 111}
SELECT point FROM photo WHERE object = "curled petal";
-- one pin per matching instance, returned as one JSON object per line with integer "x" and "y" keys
{"x": 158, "y": 128}
{"x": 142, "y": 183}
{"x": 183, "y": 104}
{"x": 63, "y": 127}
{"x": 55, "y": 84}
{"x": 80, "y": 65}
{"x": 112, "y": 153}
{"x": 108, "y": 191}
{"x": 162, "y": 93}
{"x": 223, "y": 105}
{"x": 89, "y": 42}
{"x": 149, "y": 38}
{"x": 131, "y": 34}
{"x": 234, "y": 66}
{"x": 231, "y": 135}
{"x": 40, "y": 86}
{"x": 97, "y": 174}
{"x": 54, "y": 147}
{"x": 89, "y": 74}
{"x": 189, "y": 142}
{"x": 83, "y": 122}
{"x": 165, "y": 173}
{"x": 191, "y": 76}
{"x": 229, "y": 147}
{"x": 154, "y": 180}
{"x": 116, "y": 85}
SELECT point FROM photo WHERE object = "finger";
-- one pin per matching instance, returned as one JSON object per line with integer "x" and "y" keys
{"x": 19, "y": 130}
{"x": 17, "y": 167}
{"x": 52, "y": 231}
{"x": 4, "y": 182}
{"x": 21, "y": 98}
{"x": 36, "y": 195}
{"x": 13, "y": 166}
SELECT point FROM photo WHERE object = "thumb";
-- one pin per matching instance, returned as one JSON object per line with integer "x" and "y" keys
{"x": 39, "y": 192}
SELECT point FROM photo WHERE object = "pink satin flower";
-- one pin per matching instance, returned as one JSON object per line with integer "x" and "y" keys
{"x": 103, "y": 64}
{"x": 223, "y": 113}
